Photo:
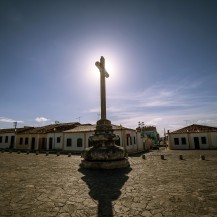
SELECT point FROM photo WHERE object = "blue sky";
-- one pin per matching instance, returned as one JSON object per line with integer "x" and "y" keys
{"x": 161, "y": 57}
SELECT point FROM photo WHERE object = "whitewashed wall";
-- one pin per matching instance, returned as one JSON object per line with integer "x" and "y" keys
{"x": 213, "y": 136}
{"x": 199, "y": 135}
{"x": 179, "y": 136}
{"x": 74, "y": 137}
{"x": 131, "y": 146}
{"x": 4, "y": 144}
{"x": 55, "y": 144}
{"x": 135, "y": 146}
{"x": 140, "y": 142}
{"x": 211, "y": 140}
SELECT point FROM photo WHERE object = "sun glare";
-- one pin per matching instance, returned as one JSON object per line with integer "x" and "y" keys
{"x": 110, "y": 67}
{"x": 113, "y": 65}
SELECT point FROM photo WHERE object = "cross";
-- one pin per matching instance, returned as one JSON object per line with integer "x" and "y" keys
{"x": 103, "y": 74}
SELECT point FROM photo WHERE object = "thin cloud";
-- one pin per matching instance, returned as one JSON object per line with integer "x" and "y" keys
{"x": 109, "y": 109}
{"x": 9, "y": 120}
{"x": 114, "y": 109}
{"x": 154, "y": 121}
{"x": 41, "y": 119}
{"x": 212, "y": 122}
{"x": 182, "y": 94}
{"x": 165, "y": 105}
{"x": 172, "y": 103}
{"x": 93, "y": 110}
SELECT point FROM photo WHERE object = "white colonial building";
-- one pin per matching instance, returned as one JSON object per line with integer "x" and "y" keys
{"x": 69, "y": 137}
{"x": 49, "y": 137}
{"x": 7, "y": 138}
{"x": 193, "y": 137}
{"x": 77, "y": 139}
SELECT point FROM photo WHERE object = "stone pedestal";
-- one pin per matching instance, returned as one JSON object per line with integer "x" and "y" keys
{"x": 104, "y": 154}
{"x": 105, "y": 164}
{"x": 105, "y": 157}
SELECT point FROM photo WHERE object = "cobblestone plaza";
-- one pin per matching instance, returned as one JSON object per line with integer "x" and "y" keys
{"x": 40, "y": 185}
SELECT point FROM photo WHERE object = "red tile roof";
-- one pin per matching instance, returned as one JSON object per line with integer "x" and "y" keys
{"x": 18, "y": 130}
{"x": 89, "y": 128}
{"x": 57, "y": 128}
{"x": 62, "y": 127}
{"x": 195, "y": 128}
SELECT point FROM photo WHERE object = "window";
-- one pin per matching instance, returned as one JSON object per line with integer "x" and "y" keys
{"x": 26, "y": 141}
{"x": 79, "y": 142}
{"x": 203, "y": 140}
{"x": 69, "y": 142}
{"x": 58, "y": 139}
{"x": 0, "y": 139}
{"x": 6, "y": 139}
{"x": 183, "y": 141}
{"x": 21, "y": 140}
{"x": 176, "y": 141}
{"x": 127, "y": 140}
{"x": 134, "y": 140}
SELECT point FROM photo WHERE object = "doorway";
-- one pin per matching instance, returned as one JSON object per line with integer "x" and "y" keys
{"x": 43, "y": 145}
{"x": 33, "y": 143}
{"x": 12, "y": 142}
{"x": 50, "y": 143}
{"x": 196, "y": 143}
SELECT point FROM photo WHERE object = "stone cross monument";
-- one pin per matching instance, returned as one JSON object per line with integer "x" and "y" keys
{"x": 103, "y": 74}
{"x": 104, "y": 154}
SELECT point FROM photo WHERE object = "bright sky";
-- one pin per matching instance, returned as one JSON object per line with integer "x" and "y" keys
{"x": 161, "y": 57}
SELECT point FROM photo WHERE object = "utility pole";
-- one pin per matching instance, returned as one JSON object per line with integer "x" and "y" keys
{"x": 98, "y": 116}
{"x": 186, "y": 122}
{"x": 54, "y": 144}
{"x": 79, "y": 118}
{"x": 15, "y": 131}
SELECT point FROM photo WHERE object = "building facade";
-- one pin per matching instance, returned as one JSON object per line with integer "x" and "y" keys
{"x": 49, "y": 137}
{"x": 193, "y": 137}
{"x": 72, "y": 137}
{"x": 150, "y": 135}
{"x": 77, "y": 139}
{"x": 8, "y": 137}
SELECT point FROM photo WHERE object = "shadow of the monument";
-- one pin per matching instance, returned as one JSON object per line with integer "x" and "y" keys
{"x": 105, "y": 186}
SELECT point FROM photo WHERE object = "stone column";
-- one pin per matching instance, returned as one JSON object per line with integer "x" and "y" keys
{"x": 103, "y": 88}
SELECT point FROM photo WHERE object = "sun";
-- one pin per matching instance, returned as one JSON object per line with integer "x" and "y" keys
{"x": 112, "y": 66}
{"x": 94, "y": 71}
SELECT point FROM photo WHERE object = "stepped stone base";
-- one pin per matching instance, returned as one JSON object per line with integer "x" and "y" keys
{"x": 105, "y": 164}
{"x": 104, "y": 154}
{"x": 104, "y": 157}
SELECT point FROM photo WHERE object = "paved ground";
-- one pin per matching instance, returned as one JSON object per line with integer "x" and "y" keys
{"x": 39, "y": 185}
